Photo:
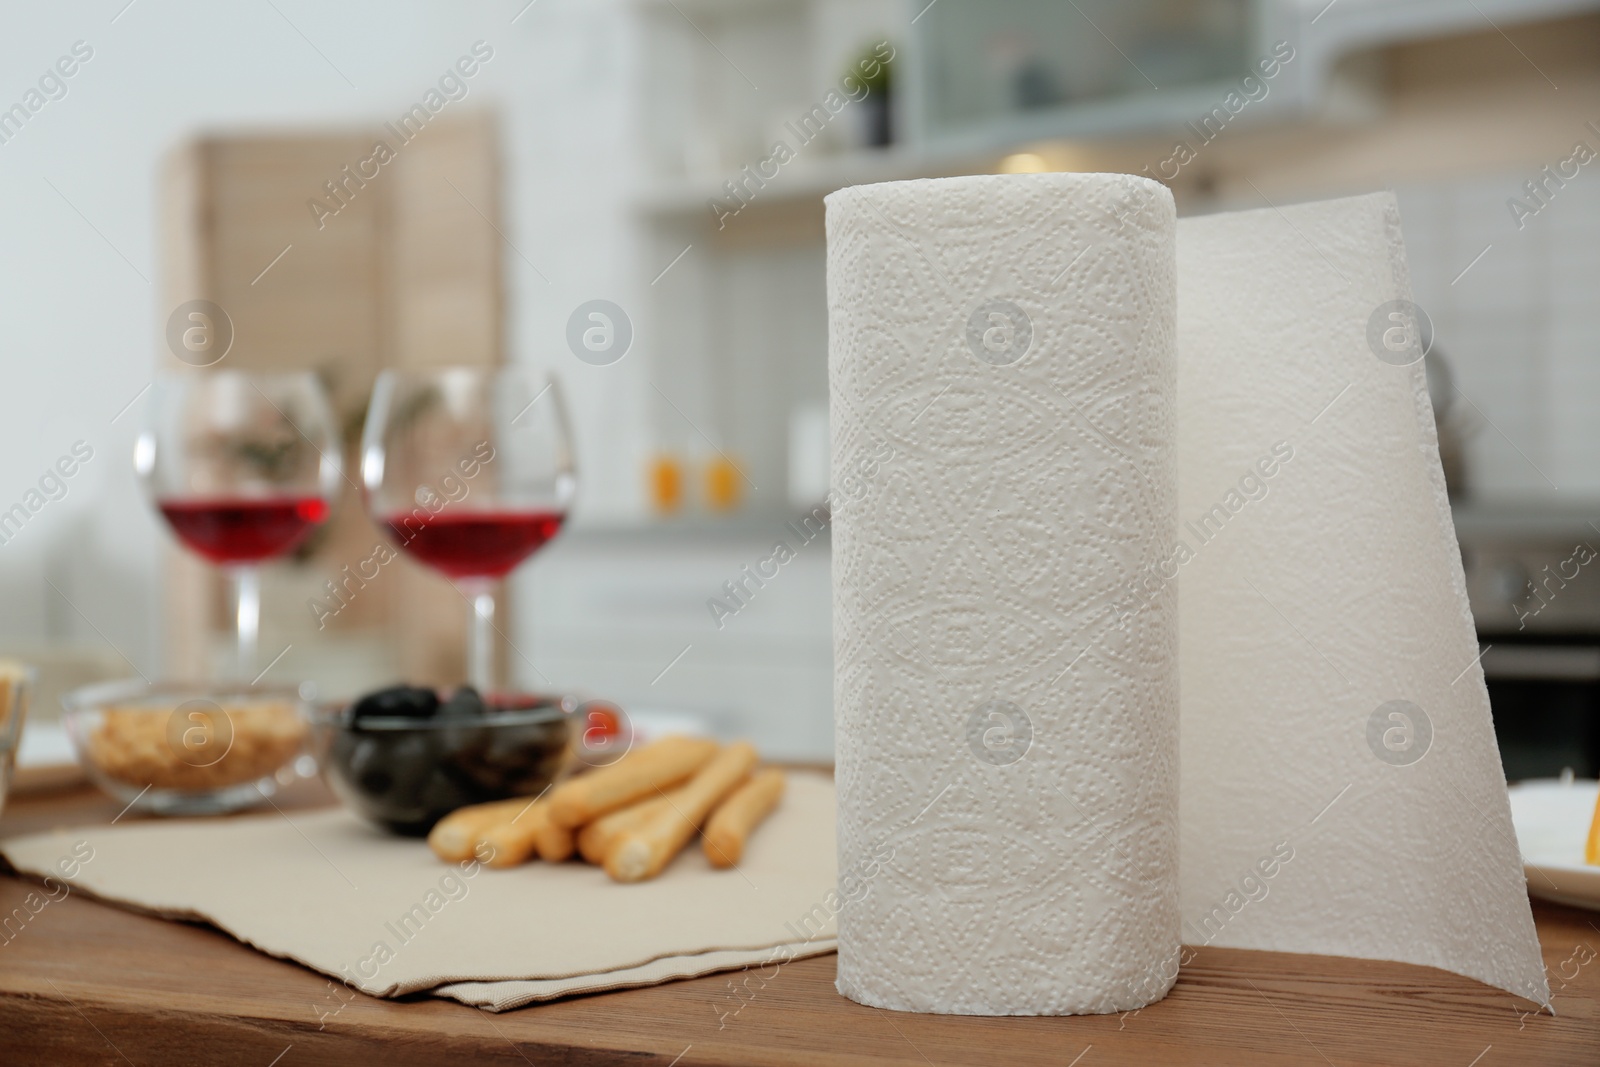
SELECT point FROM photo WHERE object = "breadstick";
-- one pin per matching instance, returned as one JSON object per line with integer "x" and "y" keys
{"x": 634, "y": 777}
{"x": 514, "y": 838}
{"x": 730, "y": 825}
{"x": 553, "y": 843}
{"x": 644, "y": 851}
{"x": 595, "y": 840}
{"x": 453, "y": 837}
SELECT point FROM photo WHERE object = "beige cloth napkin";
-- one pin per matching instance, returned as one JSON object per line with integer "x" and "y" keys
{"x": 386, "y": 916}
{"x": 500, "y": 996}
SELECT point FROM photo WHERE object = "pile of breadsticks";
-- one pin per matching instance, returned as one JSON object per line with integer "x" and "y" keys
{"x": 631, "y": 818}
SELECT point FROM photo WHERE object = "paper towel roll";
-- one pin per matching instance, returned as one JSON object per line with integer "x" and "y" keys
{"x": 1001, "y": 358}
{"x": 1005, "y": 559}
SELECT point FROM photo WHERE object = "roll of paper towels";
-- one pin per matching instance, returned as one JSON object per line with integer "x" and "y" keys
{"x": 1003, "y": 368}
{"x": 1042, "y": 430}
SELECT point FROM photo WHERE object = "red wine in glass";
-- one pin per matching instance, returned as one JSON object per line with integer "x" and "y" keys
{"x": 243, "y": 530}
{"x": 474, "y": 544}
{"x": 470, "y": 469}
{"x": 242, "y": 465}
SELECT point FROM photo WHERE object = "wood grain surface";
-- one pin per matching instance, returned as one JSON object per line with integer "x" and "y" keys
{"x": 85, "y": 983}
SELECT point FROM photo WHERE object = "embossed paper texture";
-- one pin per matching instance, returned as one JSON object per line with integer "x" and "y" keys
{"x": 1002, "y": 360}
{"x": 1332, "y": 706}
{"x": 1042, "y": 429}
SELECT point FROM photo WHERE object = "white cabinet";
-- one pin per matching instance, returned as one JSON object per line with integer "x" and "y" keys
{"x": 625, "y": 615}
{"x": 997, "y": 72}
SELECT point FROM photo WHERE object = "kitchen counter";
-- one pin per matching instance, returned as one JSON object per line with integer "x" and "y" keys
{"x": 85, "y": 983}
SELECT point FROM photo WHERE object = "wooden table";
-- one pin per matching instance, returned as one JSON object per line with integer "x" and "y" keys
{"x": 86, "y": 983}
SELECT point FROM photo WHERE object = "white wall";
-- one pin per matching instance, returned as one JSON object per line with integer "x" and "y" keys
{"x": 79, "y": 311}
{"x": 1520, "y": 327}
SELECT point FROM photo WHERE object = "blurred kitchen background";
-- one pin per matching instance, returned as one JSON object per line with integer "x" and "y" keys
{"x": 627, "y": 151}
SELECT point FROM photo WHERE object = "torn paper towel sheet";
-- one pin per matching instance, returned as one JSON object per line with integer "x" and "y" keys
{"x": 386, "y": 916}
{"x": 1006, "y": 553}
{"x": 1332, "y": 701}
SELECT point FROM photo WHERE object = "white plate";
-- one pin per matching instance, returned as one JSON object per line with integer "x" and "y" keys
{"x": 1552, "y": 821}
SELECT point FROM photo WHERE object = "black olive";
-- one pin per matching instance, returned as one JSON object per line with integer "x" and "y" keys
{"x": 410, "y": 757}
{"x": 361, "y": 754}
{"x": 405, "y": 701}
{"x": 463, "y": 702}
{"x": 439, "y": 794}
{"x": 376, "y": 781}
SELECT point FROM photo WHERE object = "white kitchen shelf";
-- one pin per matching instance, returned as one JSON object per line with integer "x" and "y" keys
{"x": 808, "y": 180}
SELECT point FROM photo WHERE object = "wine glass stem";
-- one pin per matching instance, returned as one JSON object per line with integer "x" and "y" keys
{"x": 247, "y": 619}
{"x": 480, "y": 638}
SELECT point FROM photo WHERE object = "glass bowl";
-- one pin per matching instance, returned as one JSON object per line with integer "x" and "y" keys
{"x": 16, "y": 684}
{"x": 405, "y": 773}
{"x": 179, "y": 748}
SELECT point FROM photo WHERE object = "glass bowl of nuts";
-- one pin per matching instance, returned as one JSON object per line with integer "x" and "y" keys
{"x": 175, "y": 748}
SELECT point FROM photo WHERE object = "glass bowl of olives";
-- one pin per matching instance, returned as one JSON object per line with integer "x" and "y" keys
{"x": 406, "y": 756}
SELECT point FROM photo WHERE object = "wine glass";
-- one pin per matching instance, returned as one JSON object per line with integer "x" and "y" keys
{"x": 243, "y": 465}
{"x": 470, "y": 470}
